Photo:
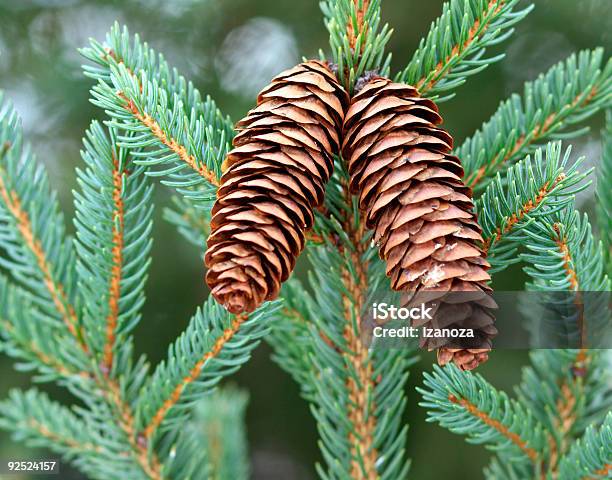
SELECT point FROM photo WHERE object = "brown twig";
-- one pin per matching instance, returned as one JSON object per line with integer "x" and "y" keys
{"x": 157, "y": 131}
{"x": 566, "y": 403}
{"x": 354, "y": 33}
{"x": 565, "y": 420}
{"x": 149, "y": 463}
{"x": 572, "y": 277}
{"x": 194, "y": 373}
{"x": 602, "y": 472}
{"x": 360, "y": 406}
{"x": 502, "y": 429}
{"x": 114, "y": 290}
{"x": 567, "y": 259}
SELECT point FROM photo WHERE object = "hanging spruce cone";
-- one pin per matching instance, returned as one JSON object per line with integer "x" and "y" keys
{"x": 273, "y": 179}
{"x": 412, "y": 195}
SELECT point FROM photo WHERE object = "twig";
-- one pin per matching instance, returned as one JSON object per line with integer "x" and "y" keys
{"x": 501, "y": 428}
{"x": 64, "y": 307}
{"x": 55, "y": 289}
{"x": 525, "y": 140}
{"x": 524, "y": 210}
{"x": 171, "y": 143}
{"x": 174, "y": 397}
{"x": 62, "y": 440}
{"x": 117, "y": 265}
{"x": 476, "y": 31}
{"x": 360, "y": 407}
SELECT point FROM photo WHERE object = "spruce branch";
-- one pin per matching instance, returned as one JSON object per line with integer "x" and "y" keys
{"x": 456, "y": 43}
{"x": 136, "y": 84}
{"x": 358, "y": 396}
{"x": 564, "y": 255}
{"x": 566, "y": 390}
{"x": 567, "y": 94}
{"x": 574, "y": 389}
{"x": 33, "y": 235}
{"x": 466, "y": 404}
{"x": 32, "y": 232}
{"x": 40, "y": 422}
{"x": 214, "y": 345}
{"x": 35, "y": 349}
{"x": 360, "y": 382}
{"x": 179, "y": 143}
{"x": 357, "y": 392}
{"x": 591, "y": 456}
{"x": 604, "y": 191}
{"x": 122, "y": 48}
{"x": 342, "y": 375}
{"x": 113, "y": 221}
{"x": 528, "y": 190}
{"x": 562, "y": 392}
{"x": 220, "y": 420}
{"x": 356, "y": 39}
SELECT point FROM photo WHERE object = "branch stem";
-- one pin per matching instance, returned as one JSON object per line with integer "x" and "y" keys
{"x": 512, "y": 221}
{"x": 443, "y": 67}
{"x": 524, "y": 141}
{"x": 174, "y": 397}
{"x": 502, "y": 429}
{"x": 117, "y": 267}
{"x": 149, "y": 122}
{"x": 360, "y": 407}
{"x": 56, "y": 289}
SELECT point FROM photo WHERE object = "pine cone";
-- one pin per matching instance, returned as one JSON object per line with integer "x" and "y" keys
{"x": 464, "y": 358}
{"x": 273, "y": 179}
{"x": 412, "y": 195}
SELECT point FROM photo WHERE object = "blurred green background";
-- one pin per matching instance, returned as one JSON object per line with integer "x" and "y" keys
{"x": 230, "y": 49}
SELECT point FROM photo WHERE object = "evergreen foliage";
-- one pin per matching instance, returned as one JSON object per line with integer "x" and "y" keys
{"x": 550, "y": 108}
{"x": 531, "y": 188}
{"x": 32, "y": 233}
{"x": 187, "y": 374}
{"x": 564, "y": 239}
{"x": 68, "y": 306}
{"x": 542, "y": 433}
{"x": 220, "y": 425}
{"x": 178, "y": 130}
{"x": 356, "y": 39}
{"x": 604, "y": 191}
{"x": 457, "y": 42}
{"x": 590, "y": 456}
{"x": 113, "y": 222}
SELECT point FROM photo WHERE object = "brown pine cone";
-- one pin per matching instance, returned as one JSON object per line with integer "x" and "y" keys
{"x": 412, "y": 195}
{"x": 273, "y": 179}
{"x": 464, "y": 358}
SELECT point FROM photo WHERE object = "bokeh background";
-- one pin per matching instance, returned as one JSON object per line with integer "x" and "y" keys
{"x": 230, "y": 49}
